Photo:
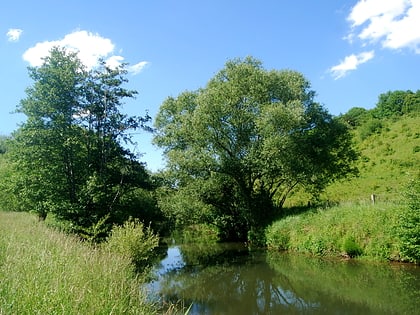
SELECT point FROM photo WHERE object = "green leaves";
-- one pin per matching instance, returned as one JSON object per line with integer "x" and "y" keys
{"x": 68, "y": 154}
{"x": 408, "y": 229}
{"x": 258, "y": 130}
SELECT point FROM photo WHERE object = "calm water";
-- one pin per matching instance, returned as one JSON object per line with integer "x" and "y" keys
{"x": 230, "y": 279}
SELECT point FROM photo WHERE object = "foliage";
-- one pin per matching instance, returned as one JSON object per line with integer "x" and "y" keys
{"x": 185, "y": 207}
{"x": 351, "y": 248}
{"x": 370, "y": 127}
{"x": 134, "y": 241}
{"x": 8, "y": 200}
{"x": 96, "y": 232}
{"x": 196, "y": 234}
{"x": 409, "y": 223}
{"x": 68, "y": 156}
{"x": 43, "y": 271}
{"x": 397, "y": 103}
{"x": 3, "y": 144}
{"x": 355, "y": 116}
{"x": 241, "y": 144}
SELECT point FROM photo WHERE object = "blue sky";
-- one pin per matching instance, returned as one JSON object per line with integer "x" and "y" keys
{"x": 351, "y": 51}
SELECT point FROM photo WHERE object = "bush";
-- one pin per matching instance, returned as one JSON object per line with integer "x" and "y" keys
{"x": 351, "y": 248}
{"x": 135, "y": 241}
{"x": 369, "y": 128}
{"x": 409, "y": 223}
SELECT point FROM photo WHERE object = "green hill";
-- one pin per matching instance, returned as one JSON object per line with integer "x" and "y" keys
{"x": 388, "y": 140}
{"x": 390, "y": 156}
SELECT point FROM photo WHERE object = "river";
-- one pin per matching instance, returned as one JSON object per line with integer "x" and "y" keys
{"x": 232, "y": 279}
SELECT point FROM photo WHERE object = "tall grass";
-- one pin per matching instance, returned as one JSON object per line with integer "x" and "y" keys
{"x": 352, "y": 230}
{"x": 43, "y": 271}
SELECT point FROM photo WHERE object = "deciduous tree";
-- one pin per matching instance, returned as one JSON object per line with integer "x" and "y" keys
{"x": 247, "y": 139}
{"x": 69, "y": 153}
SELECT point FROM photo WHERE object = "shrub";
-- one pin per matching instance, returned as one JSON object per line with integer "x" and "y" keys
{"x": 351, "y": 248}
{"x": 409, "y": 223}
{"x": 134, "y": 240}
{"x": 371, "y": 127}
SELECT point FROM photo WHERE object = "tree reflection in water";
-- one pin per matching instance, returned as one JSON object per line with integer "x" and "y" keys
{"x": 231, "y": 279}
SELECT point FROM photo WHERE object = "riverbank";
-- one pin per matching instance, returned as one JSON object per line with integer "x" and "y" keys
{"x": 366, "y": 231}
{"x": 43, "y": 271}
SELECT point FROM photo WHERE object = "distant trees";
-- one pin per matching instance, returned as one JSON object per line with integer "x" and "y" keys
{"x": 355, "y": 116}
{"x": 397, "y": 102}
{"x": 237, "y": 147}
{"x": 391, "y": 104}
{"x": 68, "y": 155}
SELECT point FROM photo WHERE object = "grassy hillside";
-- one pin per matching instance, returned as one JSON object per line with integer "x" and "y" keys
{"x": 390, "y": 156}
{"x": 389, "y": 168}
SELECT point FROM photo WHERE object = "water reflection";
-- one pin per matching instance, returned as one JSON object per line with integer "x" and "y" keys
{"x": 231, "y": 279}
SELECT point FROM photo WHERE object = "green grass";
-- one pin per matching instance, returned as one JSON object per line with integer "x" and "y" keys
{"x": 389, "y": 159}
{"x": 363, "y": 230}
{"x": 43, "y": 271}
{"x": 388, "y": 230}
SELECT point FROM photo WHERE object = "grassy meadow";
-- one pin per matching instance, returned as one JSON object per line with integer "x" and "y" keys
{"x": 43, "y": 271}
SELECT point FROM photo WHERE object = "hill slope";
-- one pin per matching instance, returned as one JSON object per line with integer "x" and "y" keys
{"x": 390, "y": 156}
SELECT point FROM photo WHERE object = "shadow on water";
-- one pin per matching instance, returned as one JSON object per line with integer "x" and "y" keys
{"x": 231, "y": 279}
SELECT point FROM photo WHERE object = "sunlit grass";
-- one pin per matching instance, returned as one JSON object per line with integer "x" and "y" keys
{"x": 388, "y": 161}
{"x": 368, "y": 229}
{"x": 43, "y": 271}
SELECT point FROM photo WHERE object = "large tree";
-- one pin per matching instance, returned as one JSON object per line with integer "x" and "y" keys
{"x": 69, "y": 153}
{"x": 245, "y": 141}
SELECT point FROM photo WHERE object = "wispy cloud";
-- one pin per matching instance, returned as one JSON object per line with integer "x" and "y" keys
{"x": 393, "y": 25}
{"x": 350, "y": 63}
{"x": 13, "y": 34}
{"x": 89, "y": 46}
{"x": 138, "y": 67}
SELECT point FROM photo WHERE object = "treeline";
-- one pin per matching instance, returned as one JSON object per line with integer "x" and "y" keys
{"x": 392, "y": 104}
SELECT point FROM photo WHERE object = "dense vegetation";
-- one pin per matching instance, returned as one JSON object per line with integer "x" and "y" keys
{"x": 243, "y": 151}
{"x": 237, "y": 148}
{"x": 68, "y": 158}
{"x": 388, "y": 142}
{"x": 251, "y": 156}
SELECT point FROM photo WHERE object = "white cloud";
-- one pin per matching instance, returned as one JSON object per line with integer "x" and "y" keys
{"x": 138, "y": 67}
{"x": 89, "y": 46}
{"x": 13, "y": 34}
{"x": 392, "y": 24}
{"x": 395, "y": 24}
{"x": 350, "y": 63}
{"x": 114, "y": 61}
